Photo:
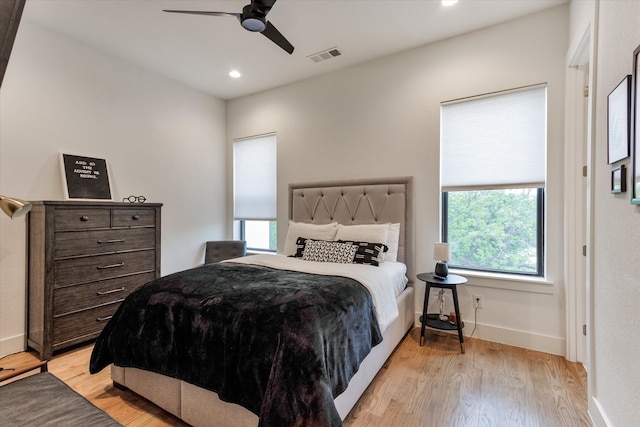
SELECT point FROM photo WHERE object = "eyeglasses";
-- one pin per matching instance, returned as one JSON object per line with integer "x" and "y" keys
{"x": 135, "y": 199}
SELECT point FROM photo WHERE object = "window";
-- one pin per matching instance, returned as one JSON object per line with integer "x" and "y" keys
{"x": 260, "y": 235}
{"x": 493, "y": 181}
{"x": 254, "y": 191}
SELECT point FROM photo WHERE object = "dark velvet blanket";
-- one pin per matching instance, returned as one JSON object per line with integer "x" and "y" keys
{"x": 280, "y": 343}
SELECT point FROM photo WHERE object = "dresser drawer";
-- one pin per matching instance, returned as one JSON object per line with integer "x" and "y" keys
{"x": 88, "y": 269}
{"x": 82, "y": 218}
{"x": 75, "y": 298}
{"x": 80, "y": 325}
{"x": 75, "y": 243}
{"x": 133, "y": 217}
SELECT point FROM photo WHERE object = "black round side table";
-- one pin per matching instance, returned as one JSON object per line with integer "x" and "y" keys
{"x": 451, "y": 282}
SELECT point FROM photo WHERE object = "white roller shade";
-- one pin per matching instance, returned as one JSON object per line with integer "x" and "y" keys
{"x": 254, "y": 178}
{"x": 494, "y": 141}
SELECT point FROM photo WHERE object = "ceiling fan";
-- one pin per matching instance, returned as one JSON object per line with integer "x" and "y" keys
{"x": 253, "y": 18}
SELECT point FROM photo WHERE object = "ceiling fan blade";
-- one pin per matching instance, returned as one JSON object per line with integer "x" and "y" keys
{"x": 275, "y": 36}
{"x": 195, "y": 12}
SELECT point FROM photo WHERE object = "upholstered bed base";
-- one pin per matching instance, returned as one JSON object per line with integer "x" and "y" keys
{"x": 351, "y": 202}
{"x": 200, "y": 407}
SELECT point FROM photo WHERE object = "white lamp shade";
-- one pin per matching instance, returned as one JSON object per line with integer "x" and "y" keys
{"x": 441, "y": 252}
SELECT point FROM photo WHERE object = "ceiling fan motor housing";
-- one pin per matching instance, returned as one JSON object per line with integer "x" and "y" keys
{"x": 253, "y": 19}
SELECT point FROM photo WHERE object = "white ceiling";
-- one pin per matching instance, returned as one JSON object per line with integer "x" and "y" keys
{"x": 201, "y": 50}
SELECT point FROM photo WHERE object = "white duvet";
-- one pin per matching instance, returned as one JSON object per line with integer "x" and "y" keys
{"x": 384, "y": 282}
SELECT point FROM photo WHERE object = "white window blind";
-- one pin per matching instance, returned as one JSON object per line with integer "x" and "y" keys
{"x": 254, "y": 178}
{"x": 494, "y": 141}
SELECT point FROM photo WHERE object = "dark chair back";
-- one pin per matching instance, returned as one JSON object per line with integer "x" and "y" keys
{"x": 219, "y": 250}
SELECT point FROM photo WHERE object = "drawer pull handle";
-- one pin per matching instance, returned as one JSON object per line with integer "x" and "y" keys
{"x": 111, "y": 241}
{"x": 112, "y": 291}
{"x": 103, "y": 319}
{"x": 84, "y": 218}
{"x": 103, "y": 267}
{"x": 135, "y": 217}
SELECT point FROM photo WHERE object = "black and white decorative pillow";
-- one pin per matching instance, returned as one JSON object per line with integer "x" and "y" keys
{"x": 328, "y": 251}
{"x": 368, "y": 253}
{"x": 300, "y": 244}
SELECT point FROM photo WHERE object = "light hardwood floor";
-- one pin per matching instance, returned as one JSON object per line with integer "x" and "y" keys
{"x": 434, "y": 385}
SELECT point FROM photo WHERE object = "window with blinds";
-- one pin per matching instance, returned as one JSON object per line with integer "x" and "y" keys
{"x": 493, "y": 169}
{"x": 254, "y": 191}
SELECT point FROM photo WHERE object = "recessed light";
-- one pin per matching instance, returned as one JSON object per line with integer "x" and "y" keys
{"x": 235, "y": 74}
{"x": 449, "y": 2}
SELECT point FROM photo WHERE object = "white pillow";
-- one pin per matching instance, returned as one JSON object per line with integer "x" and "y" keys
{"x": 310, "y": 231}
{"x": 392, "y": 242}
{"x": 372, "y": 233}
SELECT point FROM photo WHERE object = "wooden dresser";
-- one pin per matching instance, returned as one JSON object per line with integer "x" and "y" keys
{"x": 84, "y": 259}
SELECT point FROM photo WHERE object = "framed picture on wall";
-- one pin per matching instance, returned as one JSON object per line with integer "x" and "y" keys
{"x": 85, "y": 178}
{"x": 618, "y": 120}
{"x": 635, "y": 128}
{"x": 619, "y": 179}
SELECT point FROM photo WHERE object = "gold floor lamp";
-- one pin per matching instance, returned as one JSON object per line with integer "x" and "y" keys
{"x": 14, "y": 208}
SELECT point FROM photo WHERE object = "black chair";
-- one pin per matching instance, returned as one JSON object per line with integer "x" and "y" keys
{"x": 219, "y": 250}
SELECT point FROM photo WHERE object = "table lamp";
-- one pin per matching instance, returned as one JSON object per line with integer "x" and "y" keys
{"x": 441, "y": 254}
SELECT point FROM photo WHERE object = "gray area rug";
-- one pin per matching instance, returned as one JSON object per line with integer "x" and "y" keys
{"x": 44, "y": 400}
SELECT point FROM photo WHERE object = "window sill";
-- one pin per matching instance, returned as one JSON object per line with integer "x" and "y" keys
{"x": 514, "y": 282}
{"x": 259, "y": 252}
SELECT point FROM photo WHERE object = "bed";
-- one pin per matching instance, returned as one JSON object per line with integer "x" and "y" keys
{"x": 378, "y": 202}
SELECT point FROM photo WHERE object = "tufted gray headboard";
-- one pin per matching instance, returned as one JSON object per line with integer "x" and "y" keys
{"x": 365, "y": 201}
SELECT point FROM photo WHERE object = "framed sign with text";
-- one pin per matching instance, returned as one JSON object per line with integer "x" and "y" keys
{"x": 85, "y": 178}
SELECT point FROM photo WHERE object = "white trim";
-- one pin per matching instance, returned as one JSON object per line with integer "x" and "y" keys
{"x": 574, "y": 219}
{"x": 514, "y": 337}
{"x": 590, "y": 209}
{"x": 571, "y": 234}
{"x": 582, "y": 53}
{"x": 597, "y": 414}
{"x": 12, "y": 345}
{"x": 513, "y": 282}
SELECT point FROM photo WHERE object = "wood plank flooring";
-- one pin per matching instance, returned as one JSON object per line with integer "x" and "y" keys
{"x": 434, "y": 385}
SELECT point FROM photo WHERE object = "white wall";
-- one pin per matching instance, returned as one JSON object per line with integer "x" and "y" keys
{"x": 615, "y": 344}
{"x": 382, "y": 119}
{"x": 161, "y": 140}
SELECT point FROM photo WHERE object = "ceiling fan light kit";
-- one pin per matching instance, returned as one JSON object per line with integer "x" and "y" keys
{"x": 254, "y": 24}
{"x": 253, "y": 18}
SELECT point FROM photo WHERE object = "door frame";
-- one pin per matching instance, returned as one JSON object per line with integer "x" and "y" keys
{"x": 577, "y": 199}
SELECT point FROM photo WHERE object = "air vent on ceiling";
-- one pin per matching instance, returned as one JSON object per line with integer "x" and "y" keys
{"x": 325, "y": 54}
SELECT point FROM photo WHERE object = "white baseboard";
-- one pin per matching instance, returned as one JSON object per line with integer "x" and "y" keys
{"x": 523, "y": 339}
{"x": 597, "y": 414}
{"x": 12, "y": 345}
